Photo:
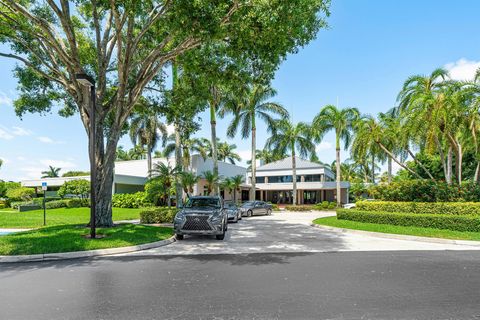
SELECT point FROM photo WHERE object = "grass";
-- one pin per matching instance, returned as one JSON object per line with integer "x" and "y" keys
{"x": 68, "y": 238}
{"x": 61, "y": 216}
{"x": 386, "y": 228}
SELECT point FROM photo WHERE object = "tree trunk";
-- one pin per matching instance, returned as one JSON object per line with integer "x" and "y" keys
{"x": 254, "y": 164}
{"x": 104, "y": 165}
{"x": 477, "y": 173}
{"x": 442, "y": 157}
{"x": 373, "y": 168}
{"x": 337, "y": 164}
{"x": 213, "y": 124}
{"x": 390, "y": 154}
{"x": 420, "y": 164}
{"x": 389, "y": 170}
{"x": 178, "y": 150}
{"x": 458, "y": 162}
{"x": 149, "y": 160}
{"x": 294, "y": 177}
{"x": 448, "y": 178}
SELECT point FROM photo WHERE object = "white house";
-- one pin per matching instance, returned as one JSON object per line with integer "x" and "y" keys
{"x": 315, "y": 182}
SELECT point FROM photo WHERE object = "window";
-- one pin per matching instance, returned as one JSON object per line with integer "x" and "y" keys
{"x": 282, "y": 179}
{"x": 260, "y": 179}
{"x": 313, "y": 178}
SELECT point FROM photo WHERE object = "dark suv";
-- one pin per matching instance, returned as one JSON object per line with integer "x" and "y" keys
{"x": 202, "y": 216}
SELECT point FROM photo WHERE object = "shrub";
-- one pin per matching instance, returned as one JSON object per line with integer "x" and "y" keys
{"x": 2, "y": 205}
{"x": 7, "y": 185}
{"x": 454, "y": 208}
{"x": 426, "y": 191}
{"x": 158, "y": 215}
{"x": 299, "y": 208}
{"x": 20, "y": 194}
{"x": 130, "y": 200}
{"x": 16, "y": 204}
{"x": 67, "y": 203}
{"x": 325, "y": 205}
{"x": 275, "y": 207}
{"x": 78, "y": 188}
{"x": 437, "y": 221}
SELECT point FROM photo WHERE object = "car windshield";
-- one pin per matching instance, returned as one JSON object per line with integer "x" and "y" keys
{"x": 248, "y": 204}
{"x": 203, "y": 203}
{"x": 230, "y": 205}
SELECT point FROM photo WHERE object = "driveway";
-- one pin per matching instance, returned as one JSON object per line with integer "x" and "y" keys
{"x": 285, "y": 232}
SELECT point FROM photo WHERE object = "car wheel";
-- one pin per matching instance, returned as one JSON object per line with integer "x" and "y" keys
{"x": 179, "y": 236}
{"x": 249, "y": 213}
{"x": 220, "y": 236}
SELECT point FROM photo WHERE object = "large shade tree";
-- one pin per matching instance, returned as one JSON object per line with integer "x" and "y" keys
{"x": 125, "y": 45}
{"x": 342, "y": 122}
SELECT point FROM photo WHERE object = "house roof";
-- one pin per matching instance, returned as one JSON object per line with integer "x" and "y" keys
{"x": 286, "y": 164}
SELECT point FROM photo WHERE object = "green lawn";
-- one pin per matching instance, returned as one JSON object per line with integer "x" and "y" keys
{"x": 386, "y": 228}
{"x": 68, "y": 238}
{"x": 34, "y": 219}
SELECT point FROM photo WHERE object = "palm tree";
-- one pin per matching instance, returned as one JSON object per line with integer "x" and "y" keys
{"x": 249, "y": 106}
{"x": 166, "y": 175}
{"x": 211, "y": 179}
{"x": 52, "y": 172}
{"x": 236, "y": 182}
{"x": 288, "y": 137}
{"x": 1, "y": 163}
{"x": 188, "y": 146}
{"x": 226, "y": 152}
{"x": 188, "y": 180}
{"x": 146, "y": 130}
{"x": 422, "y": 107}
{"x": 342, "y": 122}
{"x": 226, "y": 185}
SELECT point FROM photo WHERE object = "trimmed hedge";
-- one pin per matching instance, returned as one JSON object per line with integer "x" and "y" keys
{"x": 299, "y": 208}
{"x": 438, "y": 221}
{"x": 426, "y": 191}
{"x": 130, "y": 200}
{"x": 449, "y": 208}
{"x": 67, "y": 203}
{"x": 158, "y": 215}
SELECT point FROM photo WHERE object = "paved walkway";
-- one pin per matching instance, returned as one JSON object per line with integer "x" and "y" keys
{"x": 284, "y": 232}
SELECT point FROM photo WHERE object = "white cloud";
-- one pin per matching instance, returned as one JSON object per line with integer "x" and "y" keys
{"x": 49, "y": 140}
{"x": 5, "y": 100}
{"x": 19, "y": 131}
{"x": 170, "y": 129}
{"x": 4, "y": 134}
{"x": 20, "y": 158}
{"x": 58, "y": 163}
{"x": 462, "y": 69}
{"x": 324, "y": 145}
{"x": 31, "y": 172}
{"x": 245, "y": 155}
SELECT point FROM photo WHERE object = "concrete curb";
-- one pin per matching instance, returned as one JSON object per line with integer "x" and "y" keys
{"x": 85, "y": 254}
{"x": 399, "y": 236}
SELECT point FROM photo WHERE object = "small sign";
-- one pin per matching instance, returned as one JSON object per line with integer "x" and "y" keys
{"x": 44, "y": 186}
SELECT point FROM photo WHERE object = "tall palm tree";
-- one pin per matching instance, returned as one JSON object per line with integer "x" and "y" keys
{"x": 52, "y": 172}
{"x": 147, "y": 130}
{"x": 212, "y": 179}
{"x": 253, "y": 104}
{"x": 341, "y": 121}
{"x": 188, "y": 180}
{"x": 167, "y": 175}
{"x": 290, "y": 138}
{"x": 226, "y": 152}
{"x": 1, "y": 163}
{"x": 422, "y": 107}
{"x": 226, "y": 185}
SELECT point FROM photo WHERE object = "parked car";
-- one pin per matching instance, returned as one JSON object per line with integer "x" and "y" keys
{"x": 233, "y": 212}
{"x": 203, "y": 215}
{"x": 353, "y": 205}
{"x": 254, "y": 208}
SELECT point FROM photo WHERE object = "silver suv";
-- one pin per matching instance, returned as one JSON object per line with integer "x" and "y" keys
{"x": 202, "y": 216}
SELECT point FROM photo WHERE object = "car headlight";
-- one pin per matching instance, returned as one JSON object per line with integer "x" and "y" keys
{"x": 216, "y": 217}
{"x": 179, "y": 217}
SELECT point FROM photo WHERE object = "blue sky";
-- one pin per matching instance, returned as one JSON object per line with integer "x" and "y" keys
{"x": 362, "y": 60}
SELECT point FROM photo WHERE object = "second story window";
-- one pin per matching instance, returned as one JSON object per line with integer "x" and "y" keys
{"x": 260, "y": 179}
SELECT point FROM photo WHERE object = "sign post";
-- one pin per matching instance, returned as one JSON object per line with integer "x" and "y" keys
{"x": 44, "y": 188}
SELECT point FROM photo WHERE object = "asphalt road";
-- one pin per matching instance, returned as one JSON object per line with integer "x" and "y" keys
{"x": 340, "y": 285}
